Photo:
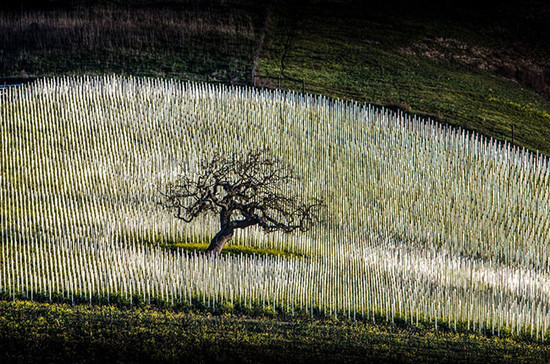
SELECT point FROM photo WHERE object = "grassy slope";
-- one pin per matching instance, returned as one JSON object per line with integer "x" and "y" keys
{"x": 231, "y": 248}
{"x": 339, "y": 52}
{"x": 460, "y": 63}
{"x": 178, "y": 40}
{"x": 61, "y": 333}
{"x": 422, "y": 58}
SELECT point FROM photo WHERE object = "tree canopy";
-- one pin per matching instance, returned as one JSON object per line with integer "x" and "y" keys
{"x": 244, "y": 190}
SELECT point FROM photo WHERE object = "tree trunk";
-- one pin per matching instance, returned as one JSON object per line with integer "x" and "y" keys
{"x": 219, "y": 240}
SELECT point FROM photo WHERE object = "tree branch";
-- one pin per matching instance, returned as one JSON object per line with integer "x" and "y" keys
{"x": 250, "y": 185}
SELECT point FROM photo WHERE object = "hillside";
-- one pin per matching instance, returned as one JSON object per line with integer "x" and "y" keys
{"x": 425, "y": 227}
{"x": 480, "y": 67}
{"x": 45, "y": 333}
{"x": 434, "y": 242}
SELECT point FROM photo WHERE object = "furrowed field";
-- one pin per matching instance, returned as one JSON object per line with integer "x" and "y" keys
{"x": 424, "y": 224}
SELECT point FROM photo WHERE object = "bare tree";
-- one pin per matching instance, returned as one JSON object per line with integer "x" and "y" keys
{"x": 244, "y": 190}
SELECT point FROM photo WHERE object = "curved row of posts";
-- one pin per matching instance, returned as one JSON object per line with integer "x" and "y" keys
{"x": 423, "y": 222}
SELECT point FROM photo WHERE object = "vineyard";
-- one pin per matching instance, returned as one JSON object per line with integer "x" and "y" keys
{"x": 424, "y": 223}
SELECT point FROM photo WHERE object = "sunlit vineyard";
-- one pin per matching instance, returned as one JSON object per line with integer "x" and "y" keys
{"x": 423, "y": 223}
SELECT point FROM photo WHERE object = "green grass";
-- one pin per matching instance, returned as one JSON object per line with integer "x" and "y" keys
{"x": 62, "y": 333}
{"x": 170, "y": 64}
{"x": 199, "y": 244}
{"x": 175, "y": 40}
{"x": 368, "y": 55}
{"x": 233, "y": 249}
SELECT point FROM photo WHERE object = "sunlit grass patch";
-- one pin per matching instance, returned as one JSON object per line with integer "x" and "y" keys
{"x": 234, "y": 249}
